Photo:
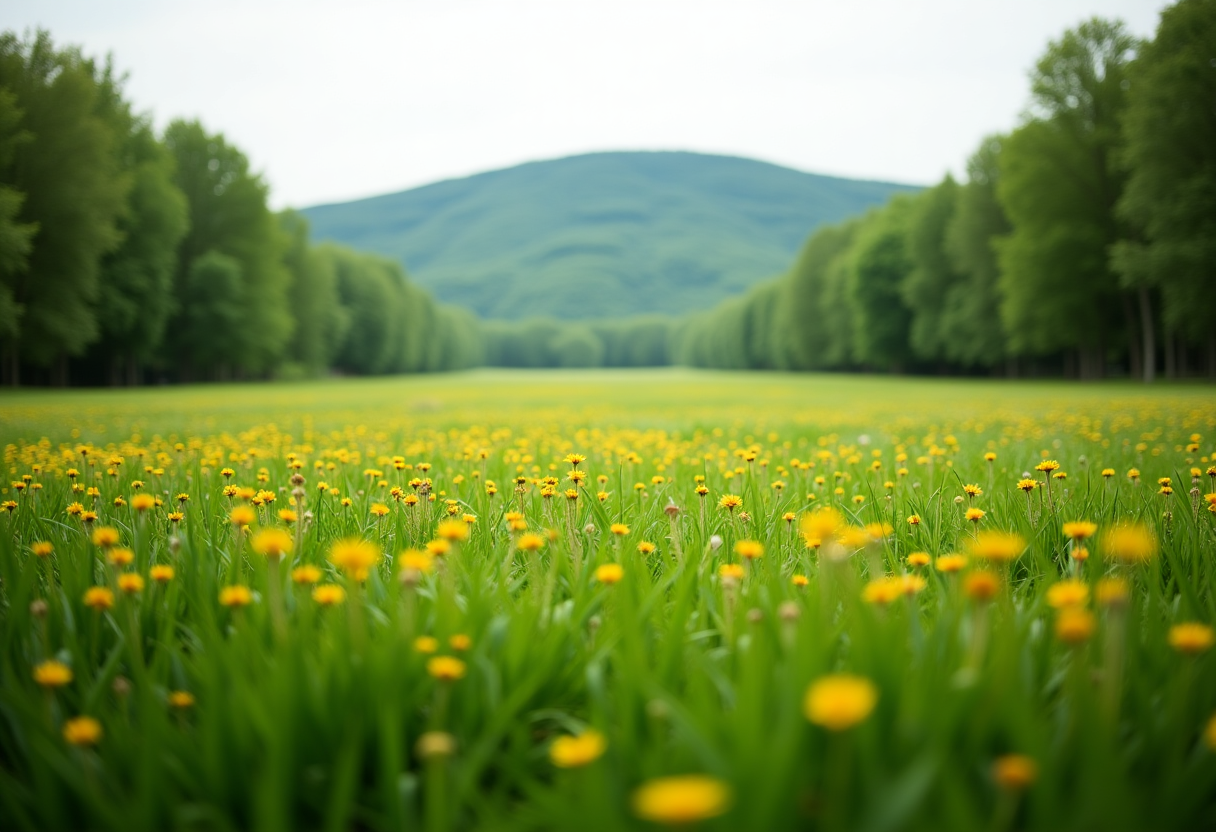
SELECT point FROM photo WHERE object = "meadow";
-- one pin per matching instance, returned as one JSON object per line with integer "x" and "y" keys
{"x": 609, "y": 600}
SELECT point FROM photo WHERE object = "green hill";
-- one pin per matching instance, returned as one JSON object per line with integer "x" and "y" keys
{"x": 599, "y": 235}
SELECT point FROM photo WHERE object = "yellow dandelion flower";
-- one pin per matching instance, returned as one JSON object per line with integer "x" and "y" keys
{"x": 530, "y": 542}
{"x": 749, "y": 549}
{"x": 681, "y": 801}
{"x": 99, "y": 598}
{"x": 981, "y": 585}
{"x": 242, "y": 516}
{"x": 273, "y": 543}
{"x": 730, "y": 572}
{"x": 575, "y": 752}
{"x": 609, "y": 573}
{"x": 1014, "y": 772}
{"x": 453, "y": 531}
{"x": 119, "y": 556}
{"x": 105, "y": 536}
{"x": 730, "y": 502}
{"x": 882, "y": 591}
{"x": 1079, "y": 529}
{"x": 354, "y": 555}
{"x": 1129, "y": 542}
{"x": 1191, "y": 637}
{"x": 840, "y": 701}
{"x": 997, "y": 546}
{"x": 446, "y": 668}
{"x": 1068, "y": 593}
{"x": 131, "y": 583}
{"x": 1074, "y": 625}
{"x": 82, "y": 731}
{"x": 52, "y": 674}
{"x": 236, "y": 596}
{"x": 951, "y": 563}
{"x": 306, "y": 574}
{"x": 328, "y": 595}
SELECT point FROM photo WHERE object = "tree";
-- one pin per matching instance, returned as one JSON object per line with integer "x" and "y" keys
{"x": 229, "y": 215}
{"x": 213, "y": 312}
{"x": 1059, "y": 183}
{"x": 1169, "y": 129}
{"x": 880, "y": 265}
{"x": 818, "y": 320}
{"x": 16, "y": 237}
{"x": 971, "y": 312}
{"x": 74, "y": 192}
{"x": 136, "y": 293}
{"x": 928, "y": 285}
{"x": 320, "y": 319}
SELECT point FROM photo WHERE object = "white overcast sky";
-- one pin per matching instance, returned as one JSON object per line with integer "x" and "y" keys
{"x": 349, "y": 98}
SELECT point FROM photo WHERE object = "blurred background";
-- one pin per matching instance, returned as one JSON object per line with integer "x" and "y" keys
{"x": 266, "y": 189}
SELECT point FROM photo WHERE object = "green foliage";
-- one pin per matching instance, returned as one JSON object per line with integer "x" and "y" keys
{"x": 16, "y": 237}
{"x": 601, "y": 235}
{"x": 971, "y": 313}
{"x": 137, "y": 292}
{"x": 1169, "y": 130}
{"x": 881, "y": 264}
{"x": 228, "y": 214}
{"x": 321, "y": 320}
{"x": 819, "y": 335}
{"x": 644, "y": 341}
{"x": 1059, "y": 183}
{"x": 208, "y": 328}
{"x": 927, "y": 288}
{"x": 71, "y": 188}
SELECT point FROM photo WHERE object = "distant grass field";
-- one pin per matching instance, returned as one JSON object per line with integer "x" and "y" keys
{"x": 609, "y": 600}
{"x": 664, "y": 397}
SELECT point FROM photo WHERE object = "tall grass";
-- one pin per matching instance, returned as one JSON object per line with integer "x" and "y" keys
{"x": 308, "y": 716}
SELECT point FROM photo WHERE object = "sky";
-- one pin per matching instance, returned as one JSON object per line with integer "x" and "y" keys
{"x": 339, "y": 99}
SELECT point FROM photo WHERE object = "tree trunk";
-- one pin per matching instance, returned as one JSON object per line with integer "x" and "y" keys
{"x": 12, "y": 367}
{"x": 1148, "y": 336}
{"x": 1134, "y": 350}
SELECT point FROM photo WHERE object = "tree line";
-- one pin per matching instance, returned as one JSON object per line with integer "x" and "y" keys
{"x": 1083, "y": 242}
{"x": 128, "y": 256}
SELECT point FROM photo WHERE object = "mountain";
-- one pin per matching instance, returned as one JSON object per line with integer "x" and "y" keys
{"x": 599, "y": 235}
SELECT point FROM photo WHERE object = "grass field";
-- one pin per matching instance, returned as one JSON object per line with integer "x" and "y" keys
{"x": 612, "y": 600}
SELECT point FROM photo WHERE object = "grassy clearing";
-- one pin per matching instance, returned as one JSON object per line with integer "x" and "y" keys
{"x": 392, "y": 605}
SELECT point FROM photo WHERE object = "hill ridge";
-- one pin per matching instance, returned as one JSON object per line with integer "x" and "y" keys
{"x": 603, "y": 234}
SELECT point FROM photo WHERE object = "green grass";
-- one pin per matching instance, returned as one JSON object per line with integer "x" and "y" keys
{"x": 601, "y": 235}
{"x": 310, "y": 718}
